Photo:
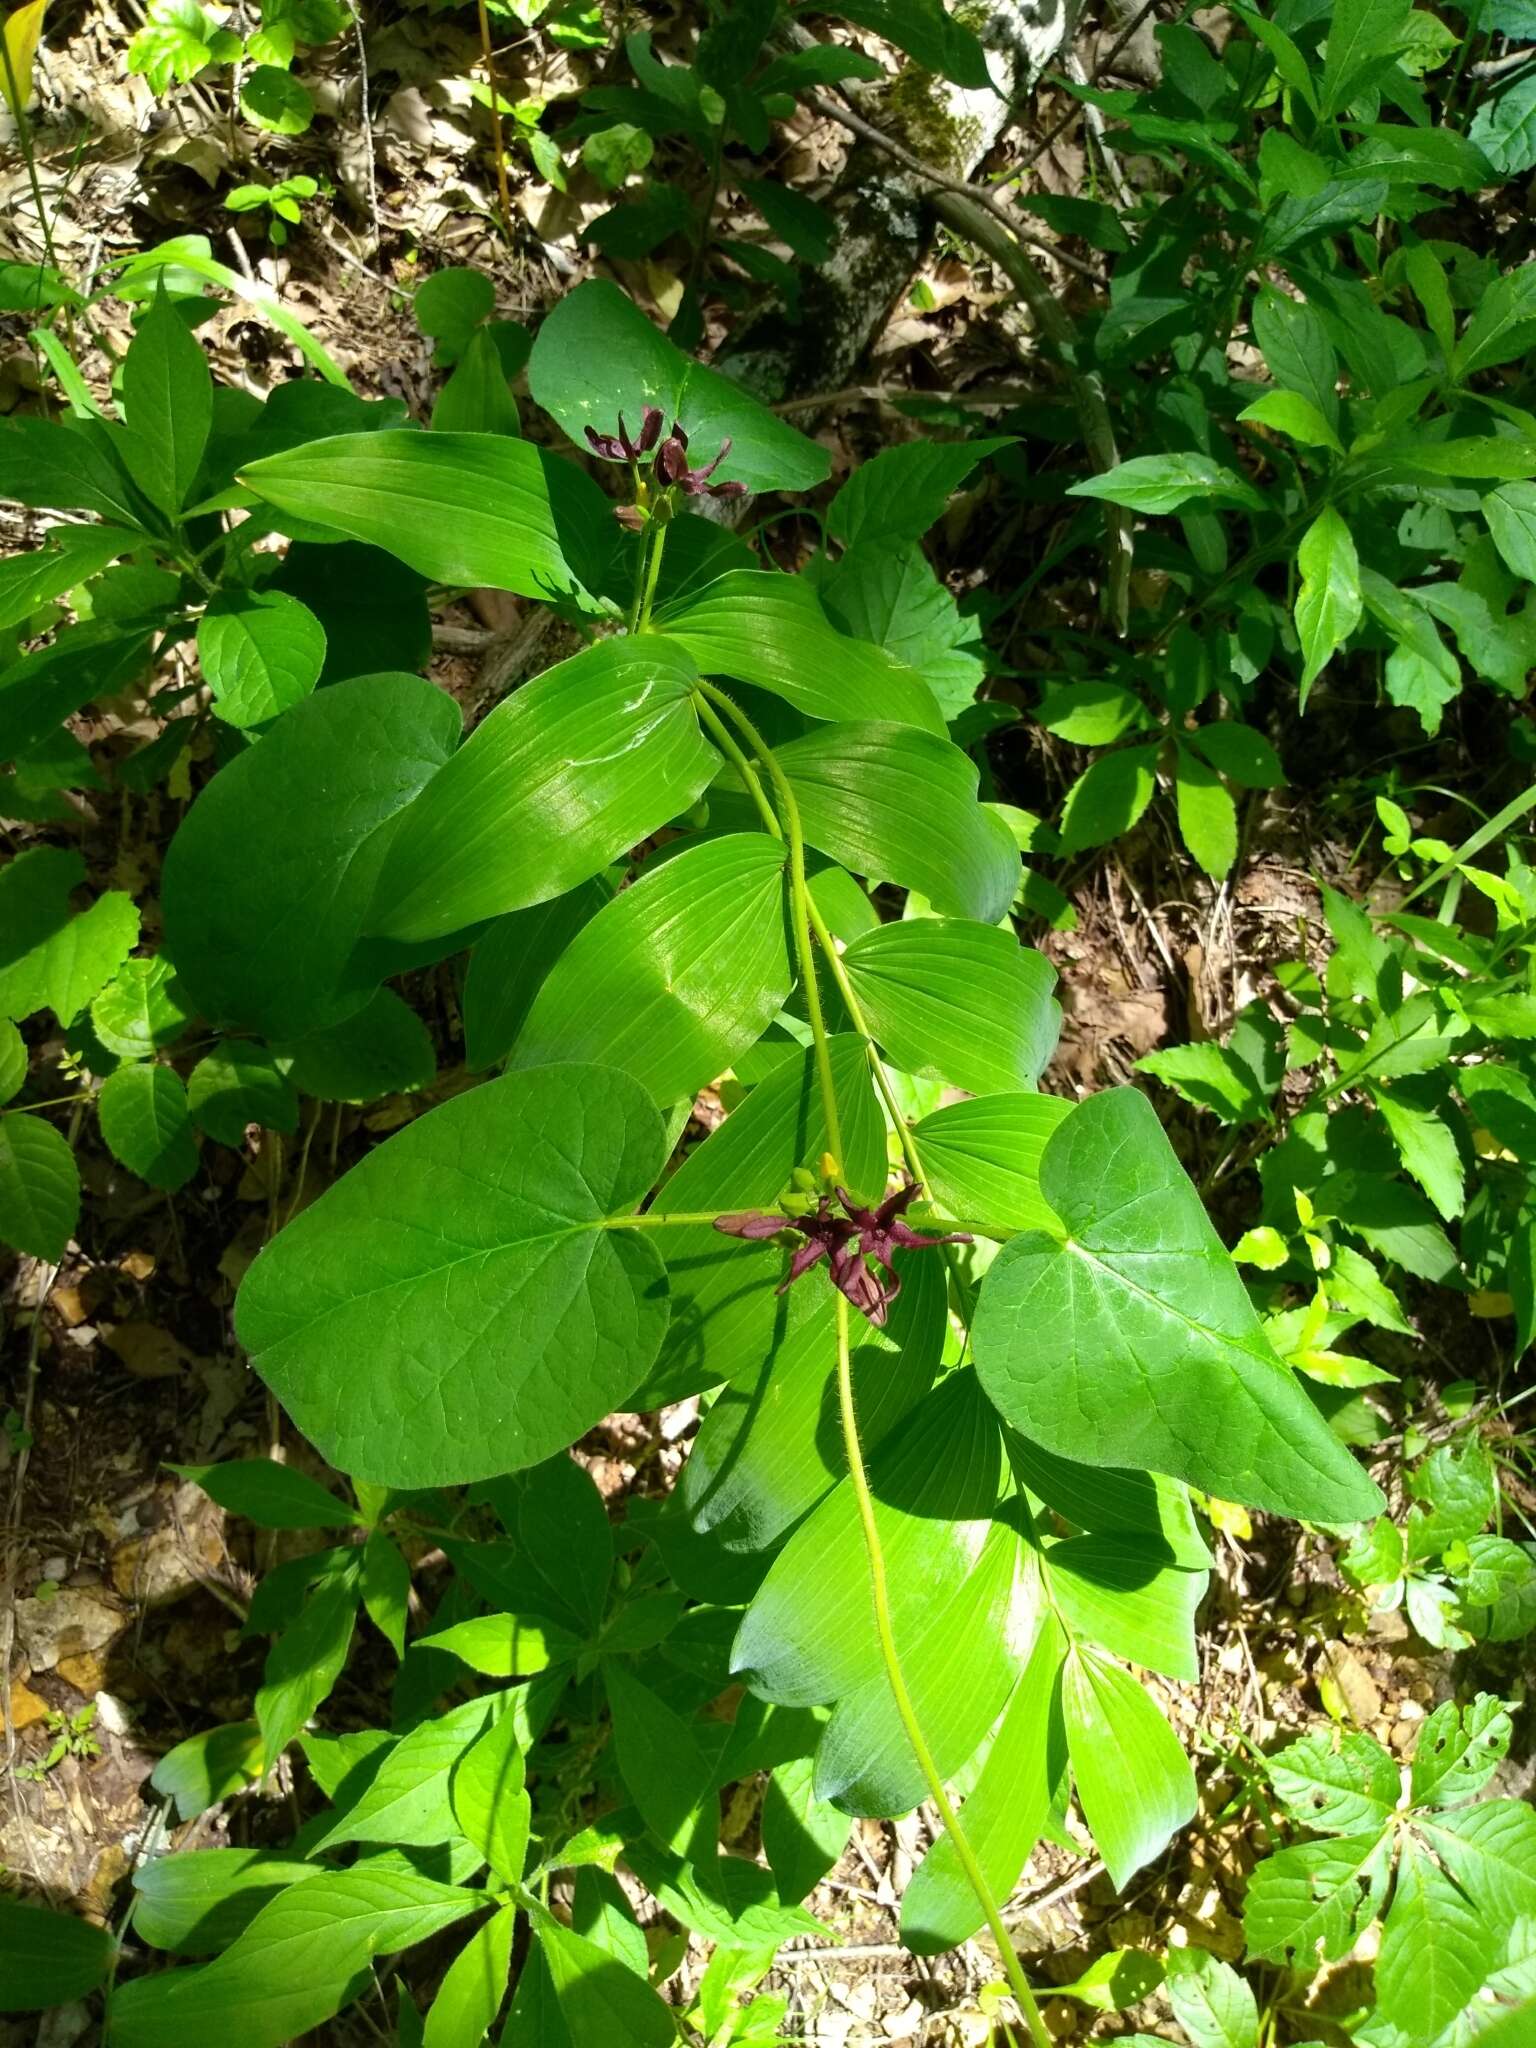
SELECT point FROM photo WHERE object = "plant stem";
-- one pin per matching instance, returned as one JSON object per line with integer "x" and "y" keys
{"x": 806, "y": 918}
{"x": 889, "y": 1656}
{"x": 725, "y": 740}
{"x": 800, "y": 909}
{"x": 498, "y": 144}
{"x": 652, "y": 573}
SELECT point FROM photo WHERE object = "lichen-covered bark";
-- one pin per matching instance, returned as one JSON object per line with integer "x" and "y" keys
{"x": 882, "y": 211}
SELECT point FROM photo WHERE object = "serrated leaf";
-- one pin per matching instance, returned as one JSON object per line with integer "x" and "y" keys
{"x": 490, "y": 1801}
{"x": 167, "y": 405}
{"x": 1458, "y": 1750}
{"x": 1427, "y": 1148}
{"x": 1211, "y": 2002}
{"x": 600, "y": 2001}
{"x": 1144, "y": 1277}
{"x": 458, "y": 1305}
{"x": 1211, "y": 1077}
{"x": 260, "y": 652}
{"x": 1318, "y": 1895}
{"x": 1341, "y": 1783}
{"x": 903, "y": 491}
{"x": 1108, "y": 797}
{"x": 470, "y": 1995}
{"x": 408, "y": 1801}
{"x": 1436, "y": 1948}
{"x": 1207, "y": 814}
{"x": 1328, "y": 603}
{"x": 147, "y": 1124}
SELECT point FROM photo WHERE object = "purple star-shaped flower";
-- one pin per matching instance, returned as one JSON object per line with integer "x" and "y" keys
{"x": 619, "y": 447}
{"x": 846, "y": 1242}
{"x": 672, "y": 468}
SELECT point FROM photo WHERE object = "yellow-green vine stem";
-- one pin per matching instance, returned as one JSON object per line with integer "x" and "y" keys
{"x": 806, "y": 918}
{"x": 799, "y": 909}
{"x": 658, "y": 528}
{"x": 885, "y": 1631}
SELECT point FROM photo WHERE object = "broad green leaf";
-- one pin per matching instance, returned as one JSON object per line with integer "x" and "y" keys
{"x": 769, "y": 629}
{"x": 490, "y": 1801}
{"x": 1362, "y": 39}
{"x": 677, "y": 976}
{"x": 13, "y": 1060}
{"x": 470, "y": 1996}
{"x": 475, "y": 509}
{"x": 803, "y": 1836}
{"x": 1511, "y": 515}
{"x": 38, "y": 691}
{"x": 667, "y": 1772}
{"x": 982, "y": 1158}
{"x": 304, "y": 1663}
{"x": 766, "y": 1451}
{"x": 599, "y": 2000}
{"x": 477, "y": 398}
{"x": 66, "y": 466}
{"x": 1211, "y": 2002}
{"x": 563, "y": 1527}
{"x": 1207, "y": 814}
{"x": 260, "y": 651}
{"x": 726, "y": 1321}
{"x": 141, "y": 1009}
{"x": 1108, "y": 798}
{"x": 517, "y": 1644}
{"x": 1020, "y": 1785}
{"x": 1316, "y": 1895}
{"x": 300, "y": 1960}
{"x": 1134, "y": 1783}
{"x": 272, "y": 1496}
{"x": 1503, "y": 323}
{"x": 903, "y": 491}
{"x": 1106, "y": 1501}
{"x": 938, "y": 39}
{"x": 382, "y": 1049}
{"x": 1133, "y": 1342}
{"x": 1490, "y": 1850}
{"x": 957, "y": 1001}
{"x": 238, "y": 1084}
{"x": 1459, "y": 1750}
{"x": 1162, "y": 483}
{"x": 1295, "y": 344}
{"x": 167, "y": 394}
{"x": 1239, "y": 752}
{"x": 1211, "y": 1077}
{"x": 508, "y": 964}
{"x": 564, "y": 776}
{"x": 808, "y": 1638}
{"x": 271, "y": 98}
{"x": 1504, "y": 129}
{"x": 1437, "y": 1947}
{"x": 147, "y": 1124}
{"x": 885, "y": 592}
{"x": 208, "y": 1767}
{"x": 48, "y": 1958}
{"x": 1090, "y": 714}
{"x": 1293, "y": 414}
{"x": 72, "y": 555}
{"x": 459, "y": 1305}
{"x": 898, "y": 805}
{"x": 197, "y": 1904}
{"x": 67, "y": 968}
{"x": 268, "y": 881}
{"x": 1427, "y": 1148}
{"x": 1117, "y": 1592}
{"x": 1328, "y": 604}
{"x": 597, "y": 356}
{"x": 408, "y": 1801}
{"x": 1339, "y": 1783}
{"x": 386, "y": 1589}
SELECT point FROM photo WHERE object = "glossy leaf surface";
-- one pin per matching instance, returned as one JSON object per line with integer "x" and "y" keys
{"x": 563, "y": 777}
{"x": 957, "y": 1001}
{"x": 1133, "y": 1342}
{"x": 457, "y": 1306}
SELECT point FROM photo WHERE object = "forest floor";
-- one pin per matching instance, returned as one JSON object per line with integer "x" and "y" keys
{"x": 130, "y": 1583}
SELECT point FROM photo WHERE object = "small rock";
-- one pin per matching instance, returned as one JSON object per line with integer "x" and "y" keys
{"x": 26, "y": 1707}
{"x": 84, "y": 1672}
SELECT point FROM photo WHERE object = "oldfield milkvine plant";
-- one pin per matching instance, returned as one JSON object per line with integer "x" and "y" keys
{"x": 940, "y": 1497}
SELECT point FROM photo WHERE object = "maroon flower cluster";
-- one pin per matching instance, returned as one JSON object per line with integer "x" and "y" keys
{"x": 671, "y": 469}
{"x": 846, "y": 1242}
